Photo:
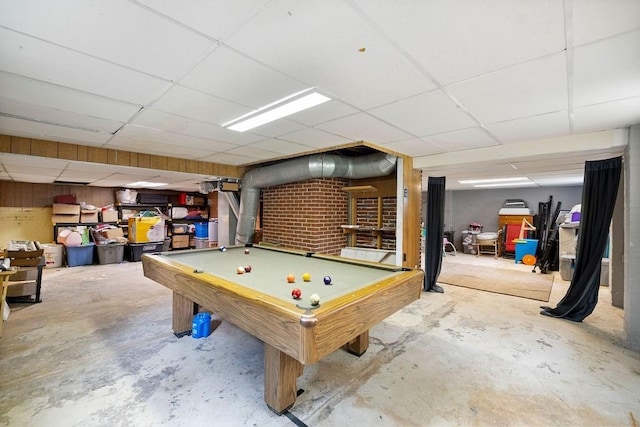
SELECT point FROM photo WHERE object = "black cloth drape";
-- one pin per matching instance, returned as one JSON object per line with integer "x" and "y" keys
{"x": 435, "y": 232}
{"x": 601, "y": 180}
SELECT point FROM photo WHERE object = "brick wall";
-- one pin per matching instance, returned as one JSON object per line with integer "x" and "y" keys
{"x": 306, "y": 215}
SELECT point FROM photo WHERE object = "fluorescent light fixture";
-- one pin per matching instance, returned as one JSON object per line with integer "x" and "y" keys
{"x": 506, "y": 184}
{"x": 491, "y": 180}
{"x": 276, "y": 110}
{"x": 146, "y": 184}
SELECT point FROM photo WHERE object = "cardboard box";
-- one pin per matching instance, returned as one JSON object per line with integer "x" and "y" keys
{"x": 109, "y": 216}
{"x": 87, "y": 215}
{"x": 65, "y": 219}
{"x": 66, "y": 209}
{"x": 180, "y": 242}
{"x": 112, "y": 233}
{"x": 146, "y": 229}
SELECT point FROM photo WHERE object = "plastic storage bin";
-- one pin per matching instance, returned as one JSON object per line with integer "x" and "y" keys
{"x": 202, "y": 230}
{"x": 201, "y": 243}
{"x": 80, "y": 255}
{"x": 53, "y": 255}
{"x": 567, "y": 264}
{"x": 135, "y": 250}
{"x": 111, "y": 253}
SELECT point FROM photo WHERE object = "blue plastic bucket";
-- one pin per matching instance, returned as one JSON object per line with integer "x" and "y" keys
{"x": 202, "y": 230}
{"x": 201, "y": 325}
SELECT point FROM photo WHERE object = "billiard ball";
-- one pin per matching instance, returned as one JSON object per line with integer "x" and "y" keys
{"x": 240, "y": 270}
{"x": 306, "y": 277}
{"x": 247, "y": 269}
{"x": 246, "y": 251}
{"x": 291, "y": 278}
{"x": 223, "y": 248}
{"x": 315, "y": 299}
{"x": 296, "y": 293}
{"x": 327, "y": 280}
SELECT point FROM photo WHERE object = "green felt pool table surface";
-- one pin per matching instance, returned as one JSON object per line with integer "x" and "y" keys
{"x": 270, "y": 267}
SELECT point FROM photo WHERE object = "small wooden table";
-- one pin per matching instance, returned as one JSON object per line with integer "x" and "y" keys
{"x": 5, "y": 280}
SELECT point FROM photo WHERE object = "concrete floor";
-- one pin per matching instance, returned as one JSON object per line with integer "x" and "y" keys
{"x": 99, "y": 351}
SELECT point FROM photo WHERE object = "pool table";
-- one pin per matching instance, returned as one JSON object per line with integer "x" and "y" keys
{"x": 295, "y": 333}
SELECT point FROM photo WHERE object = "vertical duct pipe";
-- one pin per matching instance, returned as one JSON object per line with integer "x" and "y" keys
{"x": 314, "y": 166}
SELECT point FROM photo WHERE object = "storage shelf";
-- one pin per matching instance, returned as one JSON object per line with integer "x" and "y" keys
{"x": 356, "y": 228}
{"x": 360, "y": 189}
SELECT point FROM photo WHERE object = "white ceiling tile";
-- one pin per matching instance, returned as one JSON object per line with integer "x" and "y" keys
{"x": 42, "y": 114}
{"x": 234, "y": 77}
{"x": 607, "y": 70}
{"x": 324, "y": 112}
{"x": 158, "y": 148}
{"x": 610, "y": 115}
{"x": 184, "y": 126}
{"x": 112, "y": 31}
{"x": 216, "y": 19}
{"x": 413, "y": 147}
{"x": 425, "y": 114}
{"x": 31, "y": 161}
{"x": 25, "y": 56}
{"x": 187, "y": 102}
{"x": 15, "y": 168}
{"x": 227, "y": 159}
{"x": 53, "y": 96}
{"x": 281, "y": 147}
{"x": 462, "y": 139}
{"x": 253, "y": 154}
{"x": 319, "y": 43}
{"x": 458, "y": 40}
{"x": 35, "y": 178}
{"x": 30, "y": 129}
{"x": 315, "y": 138}
{"x": 363, "y": 127}
{"x": 613, "y": 17}
{"x": 277, "y": 128}
{"x": 154, "y": 135}
{"x": 532, "y": 88}
{"x": 531, "y": 128}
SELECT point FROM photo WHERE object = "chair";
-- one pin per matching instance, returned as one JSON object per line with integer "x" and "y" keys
{"x": 446, "y": 242}
{"x": 511, "y": 232}
{"x": 26, "y": 283}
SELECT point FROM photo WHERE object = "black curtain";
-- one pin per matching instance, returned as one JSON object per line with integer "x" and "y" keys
{"x": 435, "y": 232}
{"x": 601, "y": 180}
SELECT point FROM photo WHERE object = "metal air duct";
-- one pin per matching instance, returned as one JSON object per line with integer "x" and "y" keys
{"x": 314, "y": 166}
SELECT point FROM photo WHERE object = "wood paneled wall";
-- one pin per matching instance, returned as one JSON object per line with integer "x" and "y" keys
{"x": 108, "y": 156}
{"x": 26, "y": 195}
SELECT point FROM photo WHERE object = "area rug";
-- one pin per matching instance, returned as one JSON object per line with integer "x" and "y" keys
{"x": 524, "y": 284}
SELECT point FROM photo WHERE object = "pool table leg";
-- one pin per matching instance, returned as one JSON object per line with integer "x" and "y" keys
{"x": 280, "y": 374}
{"x": 183, "y": 311}
{"x": 358, "y": 345}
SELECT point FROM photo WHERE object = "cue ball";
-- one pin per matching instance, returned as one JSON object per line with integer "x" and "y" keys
{"x": 327, "y": 280}
{"x": 291, "y": 278}
{"x": 296, "y": 293}
{"x": 223, "y": 248}
{"x": 306, "y": 277}
{"x": 240, "y": 270}
{"x": 246, "y": 251}
{"x": 315, "y": 299}
{"x": 247, "y": 269}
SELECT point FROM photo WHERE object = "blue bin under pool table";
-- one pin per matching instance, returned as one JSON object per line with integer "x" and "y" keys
{"x": 525, "y": 247}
